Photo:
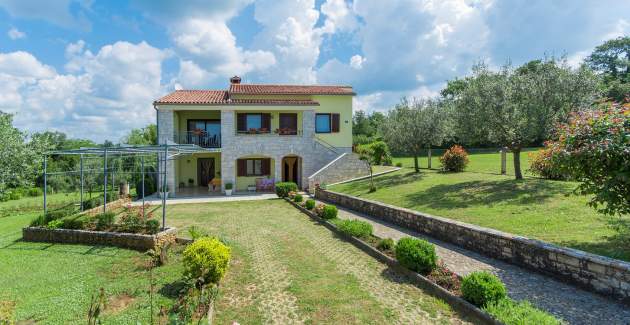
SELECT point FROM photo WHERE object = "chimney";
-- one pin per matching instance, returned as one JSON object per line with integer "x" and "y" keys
{"x": 235, "y": 80}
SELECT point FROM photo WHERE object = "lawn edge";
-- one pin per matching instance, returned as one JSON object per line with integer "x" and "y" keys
{"x": 420, "y": 281}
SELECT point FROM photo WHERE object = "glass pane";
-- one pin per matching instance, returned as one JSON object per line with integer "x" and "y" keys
{"x": 250, "y": 167}
{"x": 254, "y": 121}
{"x": 258, "y": 167}
{"x": 322, "y": 123}
{"x": 213, "y": 128}
{"x": 200, "y": 125}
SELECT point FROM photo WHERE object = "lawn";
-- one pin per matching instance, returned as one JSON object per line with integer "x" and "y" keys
{"x": 288, "y": 269}
{"x": 532, "y": 207}
{"x": 53, "y": 283}
{"x": 481, "y": 161}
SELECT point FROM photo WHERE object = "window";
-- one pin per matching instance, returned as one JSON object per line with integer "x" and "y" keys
{"x": 253, "y": 167}
{"x": 288, "y": 124}
{"x": 322, "y": 123}
{"x": 248, "y": 122}
{"x": 326, "y": 123}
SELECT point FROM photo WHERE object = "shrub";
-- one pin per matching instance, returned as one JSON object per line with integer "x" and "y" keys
{"x": 510, "y": 312}
{"x": 149, "y": 187}
{"x": 104, "y": 220}
{"x": 454, "y": 159}
{"x": 206, "y": 260}
{"x": 92, "y": 203}
{"x": 130, "y": 222}
{"x": 35, "y": 191}
{"x": 43, "y": 220}
{"x": 54, "y": 224}
{"x": 319, "y": 210}
{"x": 152, "y": 226}
{"x": 329, "y": 212}
{"x": 416, "y": 254}
{"x": 378, "y": 152}
{"x": 356, "y": 228}
{"x": 309, "y": 204}
{"x": 482, "y": 287}
{"x": 283, "y": 188}
{"x": 112, "y": 196}
{"x": 196, "y": 233}
{"x": 75, "y": 222}
{"x": 14, "y": 195}
{"x": 386, "y": 244}
{"x": 545, "y": 163}
{"x": 228, "y": 186}
{"x": 399, "y": 164}
{"x": 298, "y": 198}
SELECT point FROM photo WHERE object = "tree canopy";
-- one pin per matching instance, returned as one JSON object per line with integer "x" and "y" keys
{"x": 612, "y": 60}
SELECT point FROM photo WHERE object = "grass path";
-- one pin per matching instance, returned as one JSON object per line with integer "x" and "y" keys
{"x": 292, "y": 270}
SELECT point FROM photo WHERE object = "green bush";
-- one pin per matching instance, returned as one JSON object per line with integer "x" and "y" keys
{"x": 54, "y": 224}
{"x": 510, "y": 312}
{"x": 329, "y": 212}
{"x": 356, "y": 228}
{"x": 92, "y": 203}
{"x": 454, "y": 159}
{"x": 35, "y": 191}
{"x": 386, "y": 244}
{"x": 283, "y": 188}
{"x": 75, "y": 222}
{"x": 43, "y": 220}
{"x": 14, "y": 195}
{"x": 298, "y": 198}
{"x": 482, "y": 287}
{"x": 416, "y": 254}
{"x": 112, "y": 196}
{"x": 545, "y": 163}
{"x": 152, "y": 226}
{"x": 149, "y": 187}
{"x": 399, "y": 164}
{"x": 130, "y": 222}
{"x": 228, "y": 186}
{"x": 206, "y": 260}
{"x": 309, "y": 204}
{"x": 104, "y": 220}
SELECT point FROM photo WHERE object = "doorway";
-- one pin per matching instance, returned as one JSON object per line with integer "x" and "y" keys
{"x": 205, "y": 171}
{"x": 291, "y": 169}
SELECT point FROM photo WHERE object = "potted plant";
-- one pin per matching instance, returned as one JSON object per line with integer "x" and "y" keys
{"x": 228, "y": 189}
{"x": 164, "y": 194}
{"x": 251, "y": 188}
{"x": 191, "y": 182}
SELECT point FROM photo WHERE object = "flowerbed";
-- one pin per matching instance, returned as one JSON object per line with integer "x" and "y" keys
{"x": 433, "y": 273}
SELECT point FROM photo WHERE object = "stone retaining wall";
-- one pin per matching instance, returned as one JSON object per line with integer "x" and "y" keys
{"x": 344, "y": 167}
{"x": 68, "y": 236}
{"x": 597, "y": 273}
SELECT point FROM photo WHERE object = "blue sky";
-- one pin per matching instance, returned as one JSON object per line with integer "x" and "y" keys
{"x": 92, "y": 68}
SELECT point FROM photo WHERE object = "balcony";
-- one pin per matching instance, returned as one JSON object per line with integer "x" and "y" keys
{"x": 266, "y": 132}
{"x": 200, "y": 138}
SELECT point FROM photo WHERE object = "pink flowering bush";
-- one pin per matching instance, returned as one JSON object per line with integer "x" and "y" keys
{"x": 545, "y": 163}
{"x": 594, "y": 148}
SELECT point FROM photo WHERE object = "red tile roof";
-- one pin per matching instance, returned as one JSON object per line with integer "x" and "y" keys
{"x": 254, "y": 89}
{"x": 221, "y": 97}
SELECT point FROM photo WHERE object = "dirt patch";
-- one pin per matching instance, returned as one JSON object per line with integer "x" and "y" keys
{"x": 7, "y": 310}
{"x": 118, "y": 303}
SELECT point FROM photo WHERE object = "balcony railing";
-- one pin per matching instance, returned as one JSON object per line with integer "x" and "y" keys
{"x": 265, "y": 132}
{"x": 202, "y": 139}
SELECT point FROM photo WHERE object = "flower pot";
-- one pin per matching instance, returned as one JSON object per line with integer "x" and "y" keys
{"x": 251, "y": 188}
{"x": 164, "y": 195}
{"x": 228, "y": 192}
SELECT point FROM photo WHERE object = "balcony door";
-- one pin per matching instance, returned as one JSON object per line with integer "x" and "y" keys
{"x": 288, "y": 124}
{"x": 204, "y": 133}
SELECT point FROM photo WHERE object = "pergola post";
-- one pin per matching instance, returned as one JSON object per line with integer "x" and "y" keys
{"x": 81, "y": 183}
{"x": 164, "y": 189}
{"x": 142, "y": 172}
{"x": 45, "y": 187}
{"x": 105, "y": 180}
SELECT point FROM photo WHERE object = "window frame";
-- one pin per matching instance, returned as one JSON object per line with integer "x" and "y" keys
{"x": 329, "y": 122}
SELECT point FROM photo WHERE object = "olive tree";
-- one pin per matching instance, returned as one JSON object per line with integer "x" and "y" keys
{"x": 413, "y": 126}
{"x": 514, "y": 108}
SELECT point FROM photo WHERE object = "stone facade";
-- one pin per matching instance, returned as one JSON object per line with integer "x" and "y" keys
{"x": 597, "y": 273}
{"x": 68, "y": 236}
{"x": 344, "y": 167}
{"x": 234, "y": 146}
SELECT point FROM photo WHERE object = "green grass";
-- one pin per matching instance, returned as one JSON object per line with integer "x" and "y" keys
{"x": 286, "y": 264}
{"x": 531, "y": 207}
{"x": 481, "y": 161}
{"x": 53, "y": 283}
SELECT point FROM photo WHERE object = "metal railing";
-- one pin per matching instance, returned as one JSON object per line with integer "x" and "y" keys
{"x": 278, "y": 132}
{"x": 202, "y": 139}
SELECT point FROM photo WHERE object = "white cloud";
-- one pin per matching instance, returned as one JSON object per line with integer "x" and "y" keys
{"x": 103, "y": 96}
{"x": 56, "y": 12}
{"x": 339, "y": 16}
{"x": 15, "y": 34}
{"x": 356, "y": 62}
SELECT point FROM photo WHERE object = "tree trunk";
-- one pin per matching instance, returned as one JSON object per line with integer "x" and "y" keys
{"x": 415, "y": 163}
{"x": 516, "y": 152}
{"x": 372, "y": 187}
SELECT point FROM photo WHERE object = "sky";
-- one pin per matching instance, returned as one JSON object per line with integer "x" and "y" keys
{"x": 92, "y": 69}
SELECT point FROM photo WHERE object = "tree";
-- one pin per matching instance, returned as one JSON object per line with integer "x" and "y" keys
{"x": 517, "y": 107}
{"x": 411, "y": 127}
{"x": 366, "y": 153}
{"x": 612, "y": 60}
{"x": 143, "y": 136}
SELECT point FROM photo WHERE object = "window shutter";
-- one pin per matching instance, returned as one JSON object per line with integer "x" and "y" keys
{"x": 266, "y": 166}
{"x": 266, "y": 121}
{"x": 241, "y": 167}
{"x": 334, "y": 123}
{"x": 241, "y": 121}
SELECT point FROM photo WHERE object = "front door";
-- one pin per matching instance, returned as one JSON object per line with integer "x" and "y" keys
{"x": 290, "y": 169}
{"x": 205, "y": 171}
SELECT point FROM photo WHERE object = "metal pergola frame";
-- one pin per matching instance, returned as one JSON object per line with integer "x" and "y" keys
{"x": 164, "y": 153}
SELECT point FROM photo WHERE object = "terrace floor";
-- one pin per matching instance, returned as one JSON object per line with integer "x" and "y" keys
{"x": 200, "y": 194}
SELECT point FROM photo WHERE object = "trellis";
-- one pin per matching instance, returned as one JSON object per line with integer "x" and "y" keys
{"x": 164, "y": 153}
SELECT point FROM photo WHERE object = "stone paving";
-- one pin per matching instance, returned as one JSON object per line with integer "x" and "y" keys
{"x": 574, "y": 305}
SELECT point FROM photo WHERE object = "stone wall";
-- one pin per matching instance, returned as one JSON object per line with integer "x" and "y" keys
{"x": 597, "y": 273}
{"x": 68, "y": 236}
{"x": 346, "y": 166}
